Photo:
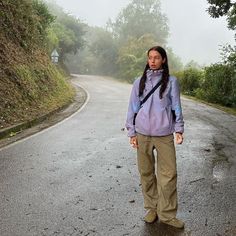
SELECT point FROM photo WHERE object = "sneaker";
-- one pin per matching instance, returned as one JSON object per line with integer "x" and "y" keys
{"x": 150, "y": 216}
{"x": 175, "y": 223}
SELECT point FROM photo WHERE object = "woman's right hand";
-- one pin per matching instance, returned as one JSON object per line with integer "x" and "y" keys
{"x": 179, "y": 138}
{"x": 134, "y": 142}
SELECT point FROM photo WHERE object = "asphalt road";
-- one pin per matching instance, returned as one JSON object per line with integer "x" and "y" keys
{"x": 79, "y": 177}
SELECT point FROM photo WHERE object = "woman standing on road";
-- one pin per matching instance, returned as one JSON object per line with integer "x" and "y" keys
{"x": 150, "y": 126}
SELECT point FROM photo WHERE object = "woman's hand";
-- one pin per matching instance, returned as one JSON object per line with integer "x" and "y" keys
{"x": 179, "y": 138}
{"x": 134, "y": 142}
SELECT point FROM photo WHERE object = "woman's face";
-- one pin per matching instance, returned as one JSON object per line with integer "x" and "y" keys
{"x": 155, "y": 60}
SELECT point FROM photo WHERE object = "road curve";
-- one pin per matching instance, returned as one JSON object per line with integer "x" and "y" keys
{"x": 80, "y": 177}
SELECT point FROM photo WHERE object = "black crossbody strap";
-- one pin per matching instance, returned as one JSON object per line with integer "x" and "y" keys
{"x": 150, "y": 93}
{"x": 146, "y": 98}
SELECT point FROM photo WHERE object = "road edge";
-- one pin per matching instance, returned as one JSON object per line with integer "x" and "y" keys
{"x": 22, "y": 130}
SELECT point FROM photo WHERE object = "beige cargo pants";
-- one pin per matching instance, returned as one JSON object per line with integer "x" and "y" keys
{"x": 158, "y": 179}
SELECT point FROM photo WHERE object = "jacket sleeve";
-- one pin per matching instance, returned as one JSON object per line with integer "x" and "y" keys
{"x": 176, "y": 106}
{"x": 133, "y": 107}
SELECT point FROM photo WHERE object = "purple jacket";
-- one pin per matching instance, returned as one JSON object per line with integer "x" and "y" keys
{"x": 155, "y": 116}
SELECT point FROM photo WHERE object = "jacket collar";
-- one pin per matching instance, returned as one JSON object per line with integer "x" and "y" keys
{"x": 151, "y": 73}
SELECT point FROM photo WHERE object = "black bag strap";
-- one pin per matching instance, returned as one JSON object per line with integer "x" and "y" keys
{"x": 146, "y": 98}
{"x": 150, "y": 93}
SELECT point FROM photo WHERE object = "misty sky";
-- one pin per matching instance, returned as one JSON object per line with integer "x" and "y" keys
{"x": 194, "y": 34}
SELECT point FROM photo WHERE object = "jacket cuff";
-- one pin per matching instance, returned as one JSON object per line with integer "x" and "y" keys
{"x": 179, "y": 129}
{"x": 131, "y": 132}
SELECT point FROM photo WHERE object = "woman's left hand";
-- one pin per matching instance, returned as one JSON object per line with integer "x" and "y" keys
{"x": 179, "y": 138}
{"x": 134, "y": 141}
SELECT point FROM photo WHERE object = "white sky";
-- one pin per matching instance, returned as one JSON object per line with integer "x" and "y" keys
{"x": 194, "y": 35}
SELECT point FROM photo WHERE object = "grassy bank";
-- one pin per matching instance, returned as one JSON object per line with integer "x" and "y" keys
{"x": 30, "y": 85}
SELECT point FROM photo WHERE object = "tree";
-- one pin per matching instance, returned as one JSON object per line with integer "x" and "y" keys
{"x": 174, "y": 61}
{"x": 132, "y": 56}
{"x": 140, "y": 17}
{"x": 104, "y": 49}
{"x": 228, "y": 54}
{"x": 99, "y": 55}
{"x": 66, "y": 32}
{"x": 69, "y": 36}
{"x": 226, "y": 8}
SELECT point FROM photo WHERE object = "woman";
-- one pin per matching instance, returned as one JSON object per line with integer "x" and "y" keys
{"x": 151, "y": 126}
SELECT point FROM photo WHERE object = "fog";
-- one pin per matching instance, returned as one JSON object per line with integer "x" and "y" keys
{"x": 194, "y": 35}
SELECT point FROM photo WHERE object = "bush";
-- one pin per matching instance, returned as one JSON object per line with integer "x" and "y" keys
{"x": 220, "y": 84}
{"x": 190, "y": 80}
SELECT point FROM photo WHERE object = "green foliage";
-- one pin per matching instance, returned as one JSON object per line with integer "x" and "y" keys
{"x": 98, "y": 57}
{"x": 33, "y": 19}
{"x": 219, "y": 7}
{"x": 44, "y": 18}
{"x": 132, "y": 57}
{"x": 220, "y": 84}
{"x": 30, "y": 85}
{"x": 215, "y": 83}
{"x": 66, "y": 34}
{"x": 190, "y": 80}
{"x": 32, "y": 90}
{"x": 104, "y": 50}
{"x": 228, "y": 54}
{"x": 174, "y": 61}
{"x": 226, "y": 8}
{"x": 52, "y": 40}
{"x": 71, "y": 40}
{"x": 140, "y": 17}
{"x": 65, "y": 38}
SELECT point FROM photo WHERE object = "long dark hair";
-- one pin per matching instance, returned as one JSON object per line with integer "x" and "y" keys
{"x": 165, "y": 73}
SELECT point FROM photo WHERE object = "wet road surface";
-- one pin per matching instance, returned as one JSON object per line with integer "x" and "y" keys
{"x": 80, "y": 177}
